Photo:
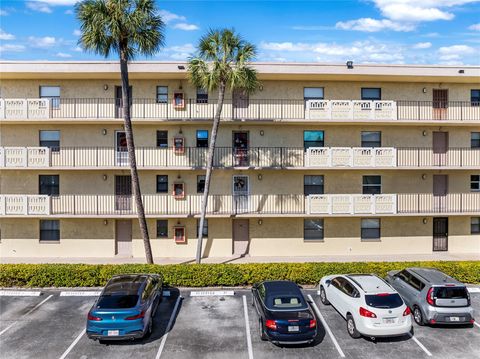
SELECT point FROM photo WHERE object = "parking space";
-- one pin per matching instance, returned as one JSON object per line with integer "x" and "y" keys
{"x": 207, "y": 326}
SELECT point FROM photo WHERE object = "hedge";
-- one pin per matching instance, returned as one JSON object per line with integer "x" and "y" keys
{"x": 212, "y": 275}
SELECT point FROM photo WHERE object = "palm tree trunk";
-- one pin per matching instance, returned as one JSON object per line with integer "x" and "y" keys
{"x": 131, "y": 156}
{"x": 208, "y": 176}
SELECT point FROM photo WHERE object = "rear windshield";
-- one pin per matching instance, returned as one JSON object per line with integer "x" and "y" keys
{"x": 117, "y": 301}
{"x": 384, "y": 301}
{"x": 287, "y": 302}
{"x": 450, "y": 293}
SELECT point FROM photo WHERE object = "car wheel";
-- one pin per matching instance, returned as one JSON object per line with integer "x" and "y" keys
{"x": 418, "y": 316}
{"x": 263, "y": 336}
{"x": 323, "y": 296}
{"x": 352, "y": 328}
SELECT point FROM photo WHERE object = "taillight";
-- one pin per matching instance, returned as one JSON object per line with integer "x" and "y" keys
{"x": 94, "y": 318}
{"x": 407, "y": 311}
{"x": 271, "y": 324}
{"x": 366, "y": 313}
{"x": 313, "y": 323}
{"x": 135, "y": 317}
{"x": 430, "y": 297}
{"x": 472, "y": 321}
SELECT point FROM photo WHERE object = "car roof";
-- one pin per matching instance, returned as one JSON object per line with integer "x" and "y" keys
{"x": 434, "y": 276}
{"x": 370, "y": 283}
{"x": 281, "y": 286}
{"x": 125, "y": 284}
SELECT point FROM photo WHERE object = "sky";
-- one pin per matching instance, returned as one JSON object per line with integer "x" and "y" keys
{"x": 365, "y": 31}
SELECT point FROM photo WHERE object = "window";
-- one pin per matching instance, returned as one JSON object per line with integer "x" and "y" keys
{"x": 179, "y": 190}
{"x": 162, "y": 184}
{"x": 162, "y": 228}
{"x": 370, "y": 229}
{"x": 475, "y": 182}
{"x": 371, "y": 139}
{"x": 50, "y": 139}
{"x": 416, "y": 283}
{"x": 475, "y": 225}
{"x": 52, "y": 93}
{"x": 49, "y": 185}
{"x": 312, "y": 185}
{"x": 312, "y": 139}
{"x": 162, "y": 94}
{"x": 313, "y": 93}
{"x": 475, "y": 140}
{"x": 205, "y": 227}
{"x": 202, "y": 138}
{"x": 348, "y": 289}
{"x": 371, "y": 94}
{"x": 313, "y": 229}
{"x": 49, "y": 230}
{"x": 200, "y": 183}
{"x": 162, "y": 139}
{"x": 179, "y": 235}
{"x": 202, "y": 95}
{"x": 372, "y": 184}
{"x": 475, "y": 97}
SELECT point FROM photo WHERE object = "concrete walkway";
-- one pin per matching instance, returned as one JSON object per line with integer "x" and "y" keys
{"x": 438, "y": 256}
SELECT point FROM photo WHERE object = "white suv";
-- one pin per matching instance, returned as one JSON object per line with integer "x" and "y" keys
{"x": 370, "y": 305}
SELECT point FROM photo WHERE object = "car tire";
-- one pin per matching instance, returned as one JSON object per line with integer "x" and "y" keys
{"x": 323, "y": 296}
{"x": 418, "y": 316}
{"x": 263, "y": 336}
{"x": 352, "y": 328}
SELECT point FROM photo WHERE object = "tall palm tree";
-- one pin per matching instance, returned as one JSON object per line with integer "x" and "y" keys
{"x": 221, "y": 63}
{"x": 128, "y": 28}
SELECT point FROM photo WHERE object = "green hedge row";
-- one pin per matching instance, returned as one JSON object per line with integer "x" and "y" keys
{"x": 212, "y": 275}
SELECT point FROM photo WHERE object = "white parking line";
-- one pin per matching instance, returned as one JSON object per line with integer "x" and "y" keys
{"x": 473, "y": 289}
{"x": 27, "y": 313}
{"x": 327, "y": 328}
{"x": 420, "y": 345}
{"x": 19, "y": 293}
{"x": 69, "y": 349}
{"x": 247, "y": 326}
{"x": 478, "y": 325}
{"x": 169, "y": 327}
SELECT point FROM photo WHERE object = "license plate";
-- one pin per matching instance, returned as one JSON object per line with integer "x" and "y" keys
{"x": 389, "y": 320}
{"x": 113, "y": 333}
{"x": 293, "y": 328}
{"x": 454, "y": 319}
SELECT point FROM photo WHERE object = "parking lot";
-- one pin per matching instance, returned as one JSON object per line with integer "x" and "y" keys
{"x": 195, "y": 323}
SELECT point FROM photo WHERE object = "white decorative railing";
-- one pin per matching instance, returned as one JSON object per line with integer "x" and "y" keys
{"x": 351, "y": 157}
{"x": 16, "y": 204}
{"x": 20, "y": 108}
{"x": 351, "y": 204}
{"x": 24, "y": 157}
{"x": 350, "y": 110}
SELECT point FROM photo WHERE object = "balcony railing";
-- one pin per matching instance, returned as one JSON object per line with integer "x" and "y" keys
{"x": 225, "y": 157}
{"x": 227, "y": 205}
{"x": 253, "y": 109}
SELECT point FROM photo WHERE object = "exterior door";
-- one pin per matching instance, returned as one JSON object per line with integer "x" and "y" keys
{"x": 240, "y": 236}
{"x": 440, "y": 103}
{"x": 121, "y": 152}
{"x": 240, "y": 149}
{"x": 123, "y": 238}
{"x": 240, "y": 194}
{"x": 119, "y": 101}
{"x": 440, "y": 234}
{"x": 123, "y": 193}
{"x": 440, "y": 147}
{"x": 440, "y": 190}
{"x": 240, "y": 101}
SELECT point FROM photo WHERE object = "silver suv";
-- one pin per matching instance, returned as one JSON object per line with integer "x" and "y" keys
{"x": 433, "y": 296}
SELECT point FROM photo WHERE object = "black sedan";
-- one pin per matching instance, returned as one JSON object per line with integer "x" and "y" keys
{"x": 284, "y": 314}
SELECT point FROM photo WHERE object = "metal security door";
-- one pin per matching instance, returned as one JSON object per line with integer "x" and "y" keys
{"x": 123, "y": 193}
{"x": 121, "y": 151}
{"x": 240, "y": 194}
{"x": 440, "y": 234}
{"x": 240, "y": 149}
{"x": 440, "y": 104}
{"x": 440, "y": 147}
{"x": 240, "y": 236}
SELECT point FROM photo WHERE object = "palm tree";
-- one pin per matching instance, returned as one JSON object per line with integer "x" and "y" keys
{"x": 221, "y": 63}
{"x": 128, "y": 28}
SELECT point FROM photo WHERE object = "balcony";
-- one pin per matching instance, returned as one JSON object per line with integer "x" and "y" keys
{"x": 227, "y": 157}
{"x": 253, "y": 109}
{"x": 249, "y": 205}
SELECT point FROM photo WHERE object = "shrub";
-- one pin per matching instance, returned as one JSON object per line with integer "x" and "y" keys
{"x": 212, "y": 275}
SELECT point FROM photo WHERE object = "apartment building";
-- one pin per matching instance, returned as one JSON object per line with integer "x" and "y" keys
{"x": 322, "y": 160}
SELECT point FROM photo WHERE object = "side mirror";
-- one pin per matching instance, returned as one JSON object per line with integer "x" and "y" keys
{"x": 327, "y": 282}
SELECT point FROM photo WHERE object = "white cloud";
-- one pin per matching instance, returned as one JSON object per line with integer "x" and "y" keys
{"x": 168, "y": 16}
{"x": 69, "y": 12}
{"x": 6, "y": 36}
{"x": 456, "y": 50}
{"x": 474, "y": 27}
{"x": 11, "y": 48}
{"x": 422, "y": 45}
{"x": 63, "y": 55}
{"x": 3, "y": 12}
{"x": 39, "y": 6}
{"x": 181, "y": 48}
{"x": 78, "y": 49}
{"x": 77, "y": 32}
{"x": 373, "y": 25}
{"x": 186, "y": 27}
{"x": 42, "y": 42}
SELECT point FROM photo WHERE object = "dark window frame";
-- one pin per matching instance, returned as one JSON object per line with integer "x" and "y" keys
{"x": 316, "y": 97}
{"x": 49, "y": 188}
{"x": 202, "y": 95}
{"x": 475, "y": 225}
{"x": 475, "y": 98}
{"x": 370, "y": 143}
{"x": 162, "y": 141}
{"x": 49, "y": 234}
{"x": 162, "y": 186}
{"x": 202, "y": 142}
{"x": 309, "y": 188}
{"x": 370, "y": 98}
{"x": 371, "y": 188}
{"x": 200, "y": 186}
{"x": 369, "y": 234}
{"x": 162, "y": 224}
{"x": 475, "y": 183}
{"x": 205, "y": 227}
{"x": 54, "y": 100}
{"x": 311, "y": 229}
{"x": 159, "y": 95}
{"x": 54, "y": 145}
{"x": 308, "y": 144}
{"x": 475, "y": 142}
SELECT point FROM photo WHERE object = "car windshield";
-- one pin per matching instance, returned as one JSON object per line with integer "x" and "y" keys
{"x": 384, "y": 301}
{"x": 450, "y": 293}
{"x": 287, "y": 302}
{"x": 117, "y": 301}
